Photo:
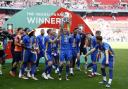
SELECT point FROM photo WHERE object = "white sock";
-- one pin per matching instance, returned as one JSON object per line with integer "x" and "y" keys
{"x": 109, "y": 81}
{"x": 71, "y": 70}
{"x": 48, "y": 75}
{"x": 32, "y": 75}
{"x": 104, "y": 78}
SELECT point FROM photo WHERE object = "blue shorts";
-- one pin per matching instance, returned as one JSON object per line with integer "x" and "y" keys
{"x": 111, "y": 59}
{"x": 28, "y": 56}
{"x": 65, "y": 55}
{"x": 94, "y": 56}
{"x": 48, "y": 56}
{"x": 41, "y": 54}
{"x": 75, "y": 51}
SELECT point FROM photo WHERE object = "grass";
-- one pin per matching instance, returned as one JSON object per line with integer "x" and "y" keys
{"x": 79, "y": 81}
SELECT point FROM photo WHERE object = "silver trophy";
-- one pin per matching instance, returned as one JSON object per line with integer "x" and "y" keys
{"x": 66, "y": 19}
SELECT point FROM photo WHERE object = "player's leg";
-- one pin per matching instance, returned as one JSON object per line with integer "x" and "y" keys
{"x": 68, "y": 57}
{"x": 93, "y": 65}
{"x": 110, "y": 71}
{"x": 1, "y": 60}
{"x": 54, "y": 64}
{"x": 57, "y": 63}
{"x": 13, "y": 56}
{"x": 72, "y": 62}
{"x": 85, "y": 66}
{"x": 48, "y": 68}
{"x": 78, "y": 61}
{"x": 15, "y": 64}
{"x": 1, "y": 66}
{"x": 33, "y": 65}
{"x": 26, "y": 56}
{"x": 104, "y": 80}
{"x": 62, "y": 57}
{"x": 41, "y": 54}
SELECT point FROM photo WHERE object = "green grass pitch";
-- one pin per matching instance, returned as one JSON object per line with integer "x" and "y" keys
{"x": 79, "y": 81}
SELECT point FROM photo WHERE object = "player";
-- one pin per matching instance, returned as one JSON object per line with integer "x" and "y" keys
{"x": 83, "y": 46}
{"x": 17, "y": 52}
{"x": 108, "y": 59}
{"x": 48, "y": 55}
{"x": 40, "y": 40}
{"x": 65, "y": 52}
{"x": 29, "y": 54}
{"x": 75, "y": 43}
{"x": 55, "y": 53}
{"x": 94, "y": 55}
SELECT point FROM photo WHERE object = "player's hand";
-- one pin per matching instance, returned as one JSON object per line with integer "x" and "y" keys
{"x": 85, "y": 55}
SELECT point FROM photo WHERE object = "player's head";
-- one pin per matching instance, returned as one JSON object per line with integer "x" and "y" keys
{"x": 65, "y": 31}
{"x": 31, "y": 33}
{"x": 26, "y": 30}
{"x": 49, "y": 31}
{"x": 99, "y": 39}
{"x": 42, "y": 31}
{"x": 98, "y": 33}
{"x": 20, "y": 30}
{"x": 54, "y": 32}
{"x": 75, "y": 31}
{"x": 89, "y": 35}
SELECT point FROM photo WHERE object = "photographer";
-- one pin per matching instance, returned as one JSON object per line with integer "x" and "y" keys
{"x": 3, "y": 42}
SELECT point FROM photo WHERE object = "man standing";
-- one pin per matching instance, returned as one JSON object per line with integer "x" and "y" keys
{"x": 48, "y": 55}
{"x": 75, "y": 43}
{"x": 65, "y": 52}
{"x": 40, "y": 40}
{"x": 29, "y": 54}
{"x": 17, "y": 51}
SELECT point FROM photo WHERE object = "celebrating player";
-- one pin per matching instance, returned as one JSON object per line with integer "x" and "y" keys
{"x": 29, "y": 54}
{"x": 40, "y": 40}
{"x": 75, "y": 42}
{"x": 48, "y": 55}
{"x": 94, "y": 55}
{"x": 108, "y": 59}
{"x": 65, "y": 52}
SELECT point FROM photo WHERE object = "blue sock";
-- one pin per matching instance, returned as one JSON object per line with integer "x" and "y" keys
{"x": 90, "y": 65}
{"x": 78, "y": 63}
{"x": 49, "y": 69}
{"x": 33, "y": 69}
{"x": 103, "y": 71}
{"x": 24, "y": 65}
{"x": 110, "y": 73}
{"x": 94, "y": 68}
{"x": 60, "y": 69}
{"x": 67, "y": 70}
{"x": 46, "y": 69}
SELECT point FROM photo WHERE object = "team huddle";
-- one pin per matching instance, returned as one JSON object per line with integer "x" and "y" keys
{"x": 59, "y": 49}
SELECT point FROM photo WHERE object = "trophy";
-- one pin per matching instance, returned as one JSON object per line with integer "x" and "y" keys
{"x": 66, "y": 20}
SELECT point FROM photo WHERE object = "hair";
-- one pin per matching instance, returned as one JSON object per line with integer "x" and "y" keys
{"x": 99, "y": 38}
{"x": 18, "y": 29}
{"x": 76, "y": 28}
{"x": 98, "y": 32}
{"x": 49, "y": 30}
{"x": 26, "y": 29}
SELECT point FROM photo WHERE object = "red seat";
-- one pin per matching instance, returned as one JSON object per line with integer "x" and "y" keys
{"x": 120, "y": 18}
{"x": 108, "y": 2}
